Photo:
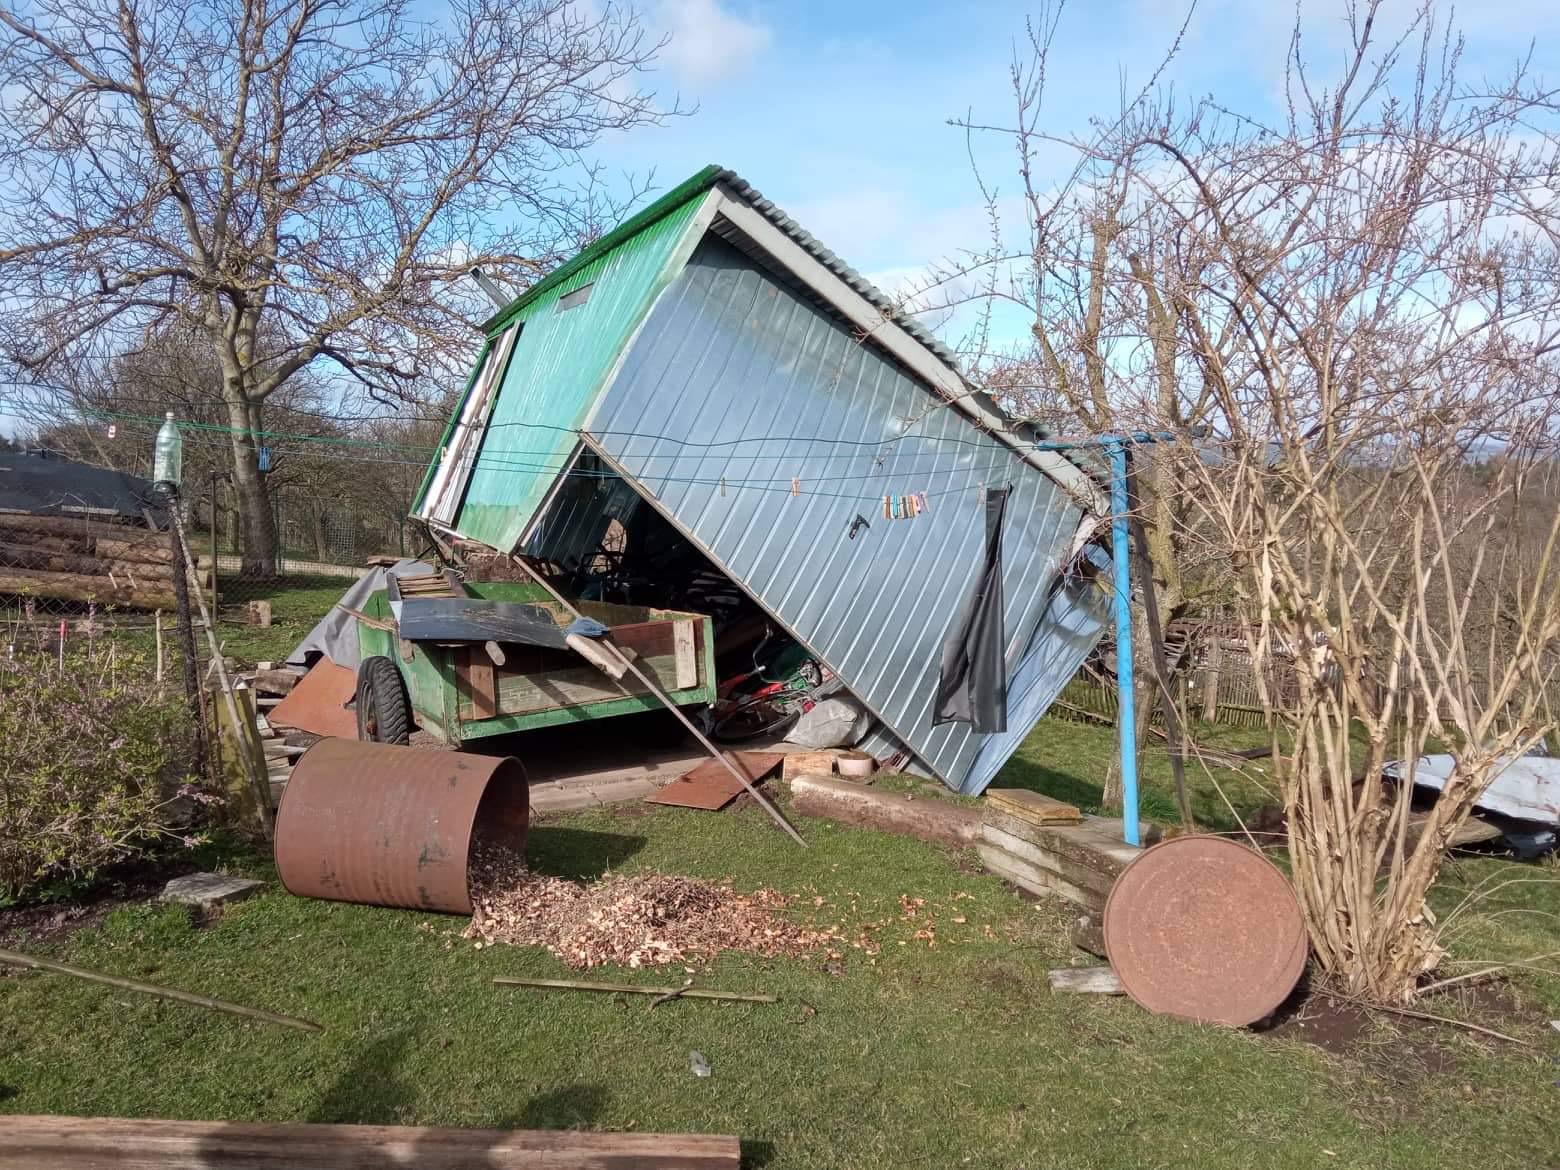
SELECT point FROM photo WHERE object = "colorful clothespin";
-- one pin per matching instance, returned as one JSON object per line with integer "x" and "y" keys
{"x": 920, "y": 502}
{"x": 888, "y": 512}
{"x": 796, "y": 486}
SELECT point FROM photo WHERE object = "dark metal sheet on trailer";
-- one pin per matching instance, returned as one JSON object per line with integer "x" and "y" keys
{"x": 393, "y": 826}
{"x": 1206, "y": 929}
{"x": 467, "y": 619}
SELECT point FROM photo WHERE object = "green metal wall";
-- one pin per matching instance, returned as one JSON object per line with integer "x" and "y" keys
{"x": 560, "y": 364}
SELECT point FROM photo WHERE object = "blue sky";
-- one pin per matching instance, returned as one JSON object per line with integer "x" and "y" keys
{"x": 838, "y": 111}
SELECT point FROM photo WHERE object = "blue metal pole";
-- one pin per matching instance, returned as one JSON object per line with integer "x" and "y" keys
{"x": 1120, "y": 553}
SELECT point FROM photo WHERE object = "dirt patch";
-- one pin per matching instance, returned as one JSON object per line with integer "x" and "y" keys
{"x": 1329, "y": 1024}
{"x": 55, "y": 921}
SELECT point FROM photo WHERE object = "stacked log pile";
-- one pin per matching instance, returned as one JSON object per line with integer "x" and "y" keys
{"x": 86, "y": 561}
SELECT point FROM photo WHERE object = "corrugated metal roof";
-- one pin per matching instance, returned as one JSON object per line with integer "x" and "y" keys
{"x": 737, "y": 185}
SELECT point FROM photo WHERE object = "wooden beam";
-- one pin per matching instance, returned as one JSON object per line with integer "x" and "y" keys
{"x": 687, "y": 665}
{"x": 925, "y": 817}
{"x": 88, "y": 1143}
{"x": 1088, "y": 980}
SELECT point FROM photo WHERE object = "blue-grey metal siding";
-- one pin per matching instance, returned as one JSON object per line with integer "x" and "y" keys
{"x": 1073, "y": 621}
{"x": 737, "y": 385}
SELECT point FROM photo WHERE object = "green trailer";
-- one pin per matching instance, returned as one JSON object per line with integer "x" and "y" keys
{"x": 467, "y": 690}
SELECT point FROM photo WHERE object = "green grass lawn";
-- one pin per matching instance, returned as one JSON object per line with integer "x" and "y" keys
{"x": 297, "y": 603}
{"x": 938, "y": 1057}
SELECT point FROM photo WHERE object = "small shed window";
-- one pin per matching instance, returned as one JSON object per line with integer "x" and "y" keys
{"x": 576, "y": 298}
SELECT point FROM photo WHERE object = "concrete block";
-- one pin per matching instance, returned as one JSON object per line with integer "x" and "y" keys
{"x": 209, "y": 890}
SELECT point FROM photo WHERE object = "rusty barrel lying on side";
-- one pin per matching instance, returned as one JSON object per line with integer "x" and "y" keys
{"x": 394, "y": 826}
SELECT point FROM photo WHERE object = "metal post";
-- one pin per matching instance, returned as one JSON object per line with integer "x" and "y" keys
{"x": 1121, "y": 553}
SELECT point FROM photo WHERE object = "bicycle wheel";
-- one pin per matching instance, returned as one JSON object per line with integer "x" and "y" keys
{"x": 751, "y": 721}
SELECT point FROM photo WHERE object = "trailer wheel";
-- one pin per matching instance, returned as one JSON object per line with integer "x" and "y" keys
{"x": 384, "y": 713}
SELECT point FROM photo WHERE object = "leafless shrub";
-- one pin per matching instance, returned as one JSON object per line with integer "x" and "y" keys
{"x": 1350, "y": 321}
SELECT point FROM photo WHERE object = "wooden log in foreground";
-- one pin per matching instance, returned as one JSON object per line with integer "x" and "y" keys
{"x": 925, "y": 817}
{"x": 101, "y": 1143}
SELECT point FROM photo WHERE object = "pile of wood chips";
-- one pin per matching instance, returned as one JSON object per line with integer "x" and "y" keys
{"x": 640, "y": 920}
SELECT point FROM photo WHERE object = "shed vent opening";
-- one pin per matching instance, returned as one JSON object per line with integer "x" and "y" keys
{"x": 576, "y": 298}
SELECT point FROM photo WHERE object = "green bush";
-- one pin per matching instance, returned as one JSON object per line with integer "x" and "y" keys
{"x": 95, "y": 769}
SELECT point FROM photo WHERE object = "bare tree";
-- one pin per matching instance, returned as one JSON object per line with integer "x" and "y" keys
{"x": 296, "y": 181}
{"x": 1105, "y": 352}
{"x": 1361, "y": 302}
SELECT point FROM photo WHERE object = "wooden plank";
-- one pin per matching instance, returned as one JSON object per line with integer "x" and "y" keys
{"x": 77, "y": 1143}
{"x": 686, "y": 668}
{"x": 1086, "y": 980}
{"x": 276, "y": 682}
{"x": 524, "y": 692}
{"x": 815, "y": 763}
{"x": 1094, "y": 878}
{"x": 1034, "y": 879}
{"x": 479, "y": 687}
{"x": 1035, "y": 807}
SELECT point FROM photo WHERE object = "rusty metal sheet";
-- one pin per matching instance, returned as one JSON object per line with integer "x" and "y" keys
{"x": 710, "y": 786}
{"x": 393, "y": 826}
{"x": 1206, "y": 929}
{"x": 316, "y": 703}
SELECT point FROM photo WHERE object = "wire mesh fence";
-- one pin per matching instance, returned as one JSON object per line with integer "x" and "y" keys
{"x": 73, "y": 566}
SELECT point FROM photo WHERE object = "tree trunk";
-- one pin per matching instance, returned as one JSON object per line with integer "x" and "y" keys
{"x": 321, "y": 541}
{"x": 256, "y": 520}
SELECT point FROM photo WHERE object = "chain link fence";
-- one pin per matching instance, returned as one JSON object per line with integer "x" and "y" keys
{"x": 75, "y": 569}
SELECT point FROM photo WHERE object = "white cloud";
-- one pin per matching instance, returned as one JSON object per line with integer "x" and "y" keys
{"x": 708, "y": 42}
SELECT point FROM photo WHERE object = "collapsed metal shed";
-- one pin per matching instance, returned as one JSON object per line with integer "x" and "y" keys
{"x": 734, "y": 375}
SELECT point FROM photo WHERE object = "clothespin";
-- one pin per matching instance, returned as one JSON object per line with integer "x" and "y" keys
{"x": 723, "y": 485}
{"x": 915, "y": 506}
{"x": 920, "y": 499}
{"x": 888, "y": 513}
{"x": 796, "y": 486}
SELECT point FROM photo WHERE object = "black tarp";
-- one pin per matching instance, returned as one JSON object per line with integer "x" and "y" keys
{"x": 42, "y": 483}
{"x": 973, "y": 685}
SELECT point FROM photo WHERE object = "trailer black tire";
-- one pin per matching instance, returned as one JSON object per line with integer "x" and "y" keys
{"x": 384, "y": 712}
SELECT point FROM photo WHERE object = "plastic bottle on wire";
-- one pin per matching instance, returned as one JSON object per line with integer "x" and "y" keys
{"x": 168, "y": 457}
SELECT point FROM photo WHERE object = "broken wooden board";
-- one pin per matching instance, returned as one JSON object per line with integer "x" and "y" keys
{"x": 808, "y": 763}
{"x": 276, "y": 681}
{"x": 316, "y": 703}
{"x": 80, "y": 1143}
{"x": 710, "y": 786}
{"x": 1086, "y": 980}
{"x": 1034, "y": 807}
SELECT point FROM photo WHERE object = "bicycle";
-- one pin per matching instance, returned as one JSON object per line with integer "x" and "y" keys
{"x": 785, "y": 682}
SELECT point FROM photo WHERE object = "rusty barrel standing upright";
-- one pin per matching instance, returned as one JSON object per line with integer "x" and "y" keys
{"x": 394, "y": 826}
